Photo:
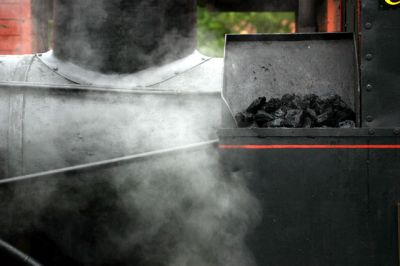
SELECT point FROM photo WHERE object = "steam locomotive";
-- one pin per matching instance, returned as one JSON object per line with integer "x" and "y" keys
{"x": 109, "y": 144}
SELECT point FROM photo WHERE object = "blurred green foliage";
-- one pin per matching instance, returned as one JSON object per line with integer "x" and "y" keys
{"x": 212, "y": 26}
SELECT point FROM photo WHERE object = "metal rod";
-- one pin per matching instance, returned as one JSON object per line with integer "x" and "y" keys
{"x": 19, "y": 254}
{"x": 187, "y": 70}
{"x": 229, "y": 109}
{"x": 106, "y": 162}
{"x": 12, "y": 85}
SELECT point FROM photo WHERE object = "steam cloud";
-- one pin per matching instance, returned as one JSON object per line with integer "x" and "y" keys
{"x": 173, "y": 210}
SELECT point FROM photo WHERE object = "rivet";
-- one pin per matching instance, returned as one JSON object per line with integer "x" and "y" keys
{"x": 368, "y": 87}
{"x": 39, "y": 54}
{"x": 368, "y": 57}
{"x": 55, "y": 68}
{"x": 371, "y": 131}
{"x": 369, "y": 118}
{"x": 396, "y": 131}
{"x": 368, "y": 25}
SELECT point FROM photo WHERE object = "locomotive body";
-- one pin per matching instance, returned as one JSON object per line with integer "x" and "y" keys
{"x": 108, "y": 156}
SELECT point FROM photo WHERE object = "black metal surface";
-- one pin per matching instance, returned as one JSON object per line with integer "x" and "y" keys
{"x": 320, "y": 206}
{"x": 380, "y": 64}
{"x": 389, "y": 4}
{"x": 335, "y": 205}
{"x": 306, "y": 16}
{"x": 349, "y": 16}
{"x": 274, "y": 64}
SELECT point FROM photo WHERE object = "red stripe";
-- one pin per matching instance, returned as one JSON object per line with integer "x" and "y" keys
{"x": 312, "y": 146}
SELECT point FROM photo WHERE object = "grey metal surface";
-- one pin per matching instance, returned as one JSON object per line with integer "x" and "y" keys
{"x": 194, "y": 73}
{"x": 36, "y": 115}
{"x": 15, "y": 132}
{"x": 275, "y": 64}
{"x": 204, "y": 77}
{"x": 380, "y": 64}
{"x": 28, "y": 68}
{"x": 4, "y": 120}
{"x": 56, "y": 127}
{"x": 151, "y": 77}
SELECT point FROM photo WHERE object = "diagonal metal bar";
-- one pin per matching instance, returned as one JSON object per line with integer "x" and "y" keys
{"x": 107, "y": 162}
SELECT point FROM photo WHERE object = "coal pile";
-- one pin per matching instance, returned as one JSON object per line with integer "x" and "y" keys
{"x": 294, "y": 111}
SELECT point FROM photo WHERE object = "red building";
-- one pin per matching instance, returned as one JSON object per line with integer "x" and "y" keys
{"x": 23, "y": 30}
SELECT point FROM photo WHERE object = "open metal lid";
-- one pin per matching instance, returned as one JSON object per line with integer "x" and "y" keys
{"x": 272, "y": 65}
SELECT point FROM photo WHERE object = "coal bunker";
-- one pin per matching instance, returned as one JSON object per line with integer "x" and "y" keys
{"x": 297, "y": 111}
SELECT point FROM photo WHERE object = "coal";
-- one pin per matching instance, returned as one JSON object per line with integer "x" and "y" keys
{"x": 307, "y": 122}
{"x": 256, "y": 105}
{"x": 323, "y": 118}
{"x": 296, "y": 111}
{"x": 244, "y": 119}
{"x": 347, "y": 124}
{"x": 345, "y": 114}
{"x": 262, "y": 117}
{"x": 287, "y": 99}
{"x": 281, "y": 112}
{"x": 272, "y": 105}
{"x": 312, "y": 114}
{"x": 311, "y": 100}
{"x": 297, "y": 102}
{"x": 276, "y": 123}
{"x": 293, "y": 118}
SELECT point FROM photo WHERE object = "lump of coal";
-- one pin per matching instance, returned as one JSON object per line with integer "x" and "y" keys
{"x": 347, "y": 124}
{"x": 307, "y": 122}
{"x": 323, "y": 118}
{"x": 297, "y": 102}
{"x": 293, "y": 118}
{"x": 335, "y": 101}
{"x": 275, "y": 123}
{"x": 297, "y": 111}
{"x": 344, "y": 114}
{"x": 287, "y": 99}
{"x": 256, "y": 105}
{"x": 312, "y": 114}
{"x": 263, "y": 117}
{"x": 244, "y": 119}
{"x": 272, "y": 105}
{"x": 280, "y": 112}
{"x": 310, "y": 100}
